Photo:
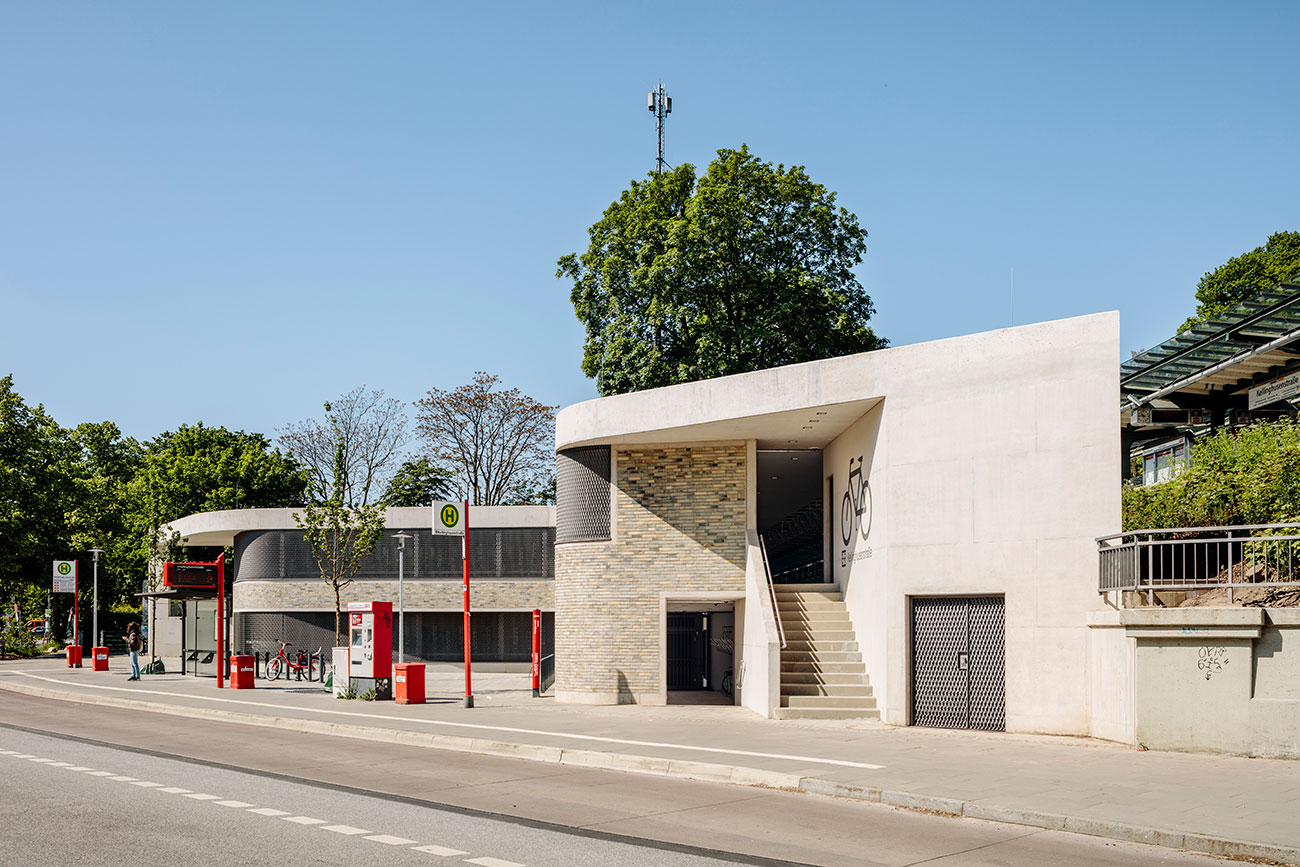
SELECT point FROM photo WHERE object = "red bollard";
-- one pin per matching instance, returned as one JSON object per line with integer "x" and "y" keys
{"x": 99, "y": 658}
{"x": 537, "y": 653}
{"x": 408, "y": 683}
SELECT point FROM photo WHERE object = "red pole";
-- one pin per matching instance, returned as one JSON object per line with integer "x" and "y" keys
{"x": 537, "y": 652}
{"x": 469, "y": 692}
{"x": 76, "y": 609}
{"x": 221, "y": 621}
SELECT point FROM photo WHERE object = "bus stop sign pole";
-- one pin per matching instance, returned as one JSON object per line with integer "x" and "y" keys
{"x": 469, "y": 692}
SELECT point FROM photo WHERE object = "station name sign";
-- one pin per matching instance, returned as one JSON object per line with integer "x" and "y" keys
{"x": 202, "y": 575}
{"x": 1270, "y": 392}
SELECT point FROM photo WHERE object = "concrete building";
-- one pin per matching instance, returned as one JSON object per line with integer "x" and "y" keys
{"x": 908, "y": 532}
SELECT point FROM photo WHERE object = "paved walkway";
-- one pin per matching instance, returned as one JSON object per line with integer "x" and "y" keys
{"x": 1219, "y": 804}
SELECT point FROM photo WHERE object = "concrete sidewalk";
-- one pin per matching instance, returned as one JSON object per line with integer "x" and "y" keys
{"x": 1215, "y": 804}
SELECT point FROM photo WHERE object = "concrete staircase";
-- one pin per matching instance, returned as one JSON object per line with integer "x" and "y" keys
{"x": 822, "y": 675}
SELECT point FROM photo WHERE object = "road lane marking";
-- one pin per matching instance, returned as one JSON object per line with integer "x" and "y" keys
{"x": 199, "y": 796}
{"x": 492, "y": 862}
{"x": 479, "y": 726}
{"x": 240, "y": 804}
{"x": 438, "y": 850}
{"x": 8, "y": 752}
{"x": 99, "y": 773}
{"x": 29, "y": 755}
{"x": 177, "y": 790}
{"x": 84, "y": 768}
{"x": 345, "y": 829}
{"x": 145, "y": 784}
{"x": 304, "y": 820}
{"x": 69, "y": 764}
{"x": 390, "y": 840}
{"x": 41, "y": 760}
{"x": 121, "y": 779}
{"x": 267, "y": 811}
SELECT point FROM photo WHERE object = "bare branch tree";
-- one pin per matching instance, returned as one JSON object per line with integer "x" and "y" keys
{"x": 372, "y": 430}
{"x": 496, "y": 442}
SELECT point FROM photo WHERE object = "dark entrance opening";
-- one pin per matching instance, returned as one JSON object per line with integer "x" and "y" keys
{"x": 688, "y": 658}
{"x": 791, "y": 517}
{"x": 959, "y": 662}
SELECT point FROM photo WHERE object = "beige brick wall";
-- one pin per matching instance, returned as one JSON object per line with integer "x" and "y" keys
{"x": 679, "y": 526}
{"x": 435, "y": 595}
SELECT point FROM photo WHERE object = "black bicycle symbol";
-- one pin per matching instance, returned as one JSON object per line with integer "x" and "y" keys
{"x": 856, "y": 503}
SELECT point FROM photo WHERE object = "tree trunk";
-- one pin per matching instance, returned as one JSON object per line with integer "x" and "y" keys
{"x": 338, "y": 617}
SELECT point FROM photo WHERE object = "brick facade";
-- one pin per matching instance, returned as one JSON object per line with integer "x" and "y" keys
{"x": 420, "y": 595}
{"x": 679, "y": 525}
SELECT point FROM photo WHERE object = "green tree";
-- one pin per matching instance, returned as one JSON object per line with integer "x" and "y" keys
{"x": 418, "y": 482}
{"x": 341, "y": 536}
{"x": 99, "y": 514}
{"x": 747, "y": 267}
{"x": 1245, "y": 276}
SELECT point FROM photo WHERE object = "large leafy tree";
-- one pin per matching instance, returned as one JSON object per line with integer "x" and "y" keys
{"x": 746, "y": 267}
{"x": 418, "y": 482}
{"x": 1244, "y": 276}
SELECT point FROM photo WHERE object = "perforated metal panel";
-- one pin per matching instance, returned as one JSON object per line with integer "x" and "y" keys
{"x": 582, "y": 494}
{"x": 958, "y": 662}
{"x": 494, "y": 552}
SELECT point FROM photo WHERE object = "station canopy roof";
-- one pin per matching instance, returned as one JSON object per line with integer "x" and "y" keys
{"x": 1214, "y": 364}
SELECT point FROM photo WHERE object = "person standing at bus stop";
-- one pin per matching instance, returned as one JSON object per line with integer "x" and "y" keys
{"x": 134, "y": 644}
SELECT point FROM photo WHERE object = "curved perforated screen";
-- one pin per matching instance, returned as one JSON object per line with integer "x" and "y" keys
{"x": 582, "y": 494}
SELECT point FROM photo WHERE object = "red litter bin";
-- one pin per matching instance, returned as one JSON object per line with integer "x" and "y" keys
{"x": 241, "y": 671}
{"x": 74, "y": 655}
{"x": 408, "y": 683}
{"x": 99, "y": 658}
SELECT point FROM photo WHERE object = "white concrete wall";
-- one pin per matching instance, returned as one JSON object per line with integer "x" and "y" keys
{"x": 994, "y": 462}
{"x": 1110, "y": 678}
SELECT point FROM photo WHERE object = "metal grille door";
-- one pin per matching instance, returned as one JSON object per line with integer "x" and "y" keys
{"x": 958, "y": 662}
{"x": 687, "y": 666}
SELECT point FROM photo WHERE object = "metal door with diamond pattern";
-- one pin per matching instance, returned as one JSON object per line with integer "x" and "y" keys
{"x": 958, "y": 662}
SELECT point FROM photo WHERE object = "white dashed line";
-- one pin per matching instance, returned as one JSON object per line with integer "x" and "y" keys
{"x": 102, "y": 773}
{"x": 145, "y": 784}
{"x": 390, "y": 840}
{"x": 84, "y": 768}
{"x": 177, "y": 790}
{"x": 438, "y": 850}
{"x": 199, "y": 796}
{"x": 304, "y": 820}
{"x": 240, "y": 804}
{"x": 121, "y": 779}
{"x": 29, "y": 755}
{"x": 492, "y": 862}
{"x": 345, "y": 829}
{"x": 47, "y": 761}
{"x": 267, "y": 811}
{"x": 15, "y": 752}
{"x": 69, "y": 764}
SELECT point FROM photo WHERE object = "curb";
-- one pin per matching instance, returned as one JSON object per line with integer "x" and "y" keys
{"x": 708, "y": 772}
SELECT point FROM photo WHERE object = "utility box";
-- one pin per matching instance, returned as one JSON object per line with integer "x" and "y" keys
{"x": 339, "y": 682}
{"x": 99, "y": 658}
{"x": 408, "y": 683}
{"x": 241, "y": 671}
{"x": 74, "y": 655}
{"x": 370, "y": 642}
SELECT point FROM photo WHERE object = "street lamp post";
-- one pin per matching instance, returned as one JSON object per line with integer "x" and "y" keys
{"x": 94, "y": 629}
{"x": 401, "y": 610}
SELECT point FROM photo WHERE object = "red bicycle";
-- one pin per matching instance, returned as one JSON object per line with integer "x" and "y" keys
{"x": 303, "y": 661}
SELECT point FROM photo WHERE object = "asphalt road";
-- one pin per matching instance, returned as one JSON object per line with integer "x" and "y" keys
{"x": 83, "y": 785}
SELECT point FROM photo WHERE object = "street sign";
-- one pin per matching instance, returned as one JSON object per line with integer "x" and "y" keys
{"x": 448, "y": 519}
{"x": 65, "y": 576}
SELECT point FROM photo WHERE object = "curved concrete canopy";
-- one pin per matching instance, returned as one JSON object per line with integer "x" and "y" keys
{"x": 220, "y": 528}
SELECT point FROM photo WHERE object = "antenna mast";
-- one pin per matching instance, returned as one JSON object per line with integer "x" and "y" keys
{"x": 662, "y": 106}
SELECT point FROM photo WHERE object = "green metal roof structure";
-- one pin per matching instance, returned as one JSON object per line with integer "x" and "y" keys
{"x": 1213, "y": 365}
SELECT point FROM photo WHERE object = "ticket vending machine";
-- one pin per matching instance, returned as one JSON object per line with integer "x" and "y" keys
{"x": 370, "y": 648}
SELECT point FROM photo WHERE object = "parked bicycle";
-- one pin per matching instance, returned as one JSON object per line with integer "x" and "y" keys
{"x": 301, "y": 662}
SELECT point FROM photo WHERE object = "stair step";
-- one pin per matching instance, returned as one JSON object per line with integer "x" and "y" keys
{"x": 789, "y": 655}
{"x": 806, "y": 588}
{"x": 827, "y": 713}
{"x": 818, "y": 646}
{"x": 837, "y": 689}
{"x": 838, "y": 677}
{"x": 817, "y": 634}
{"x": 805, "y": 666}
{"x": 828, "y": 701}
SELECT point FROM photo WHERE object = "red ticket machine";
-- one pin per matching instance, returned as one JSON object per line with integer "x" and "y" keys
{"x": 370, "y": 646}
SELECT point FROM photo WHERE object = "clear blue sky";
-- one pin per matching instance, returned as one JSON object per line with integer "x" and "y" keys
{"x": 231, "y": 212}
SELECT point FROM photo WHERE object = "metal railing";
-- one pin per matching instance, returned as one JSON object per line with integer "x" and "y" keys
{"x": 1199, "y": 558}
{"x": 771, "y": 589}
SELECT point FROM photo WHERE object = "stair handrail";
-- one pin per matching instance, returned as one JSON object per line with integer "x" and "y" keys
{"x": 771, "y": 589}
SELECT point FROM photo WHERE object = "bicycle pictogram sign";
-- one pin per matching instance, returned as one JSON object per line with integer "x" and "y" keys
{"x": 855, "y": 508}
